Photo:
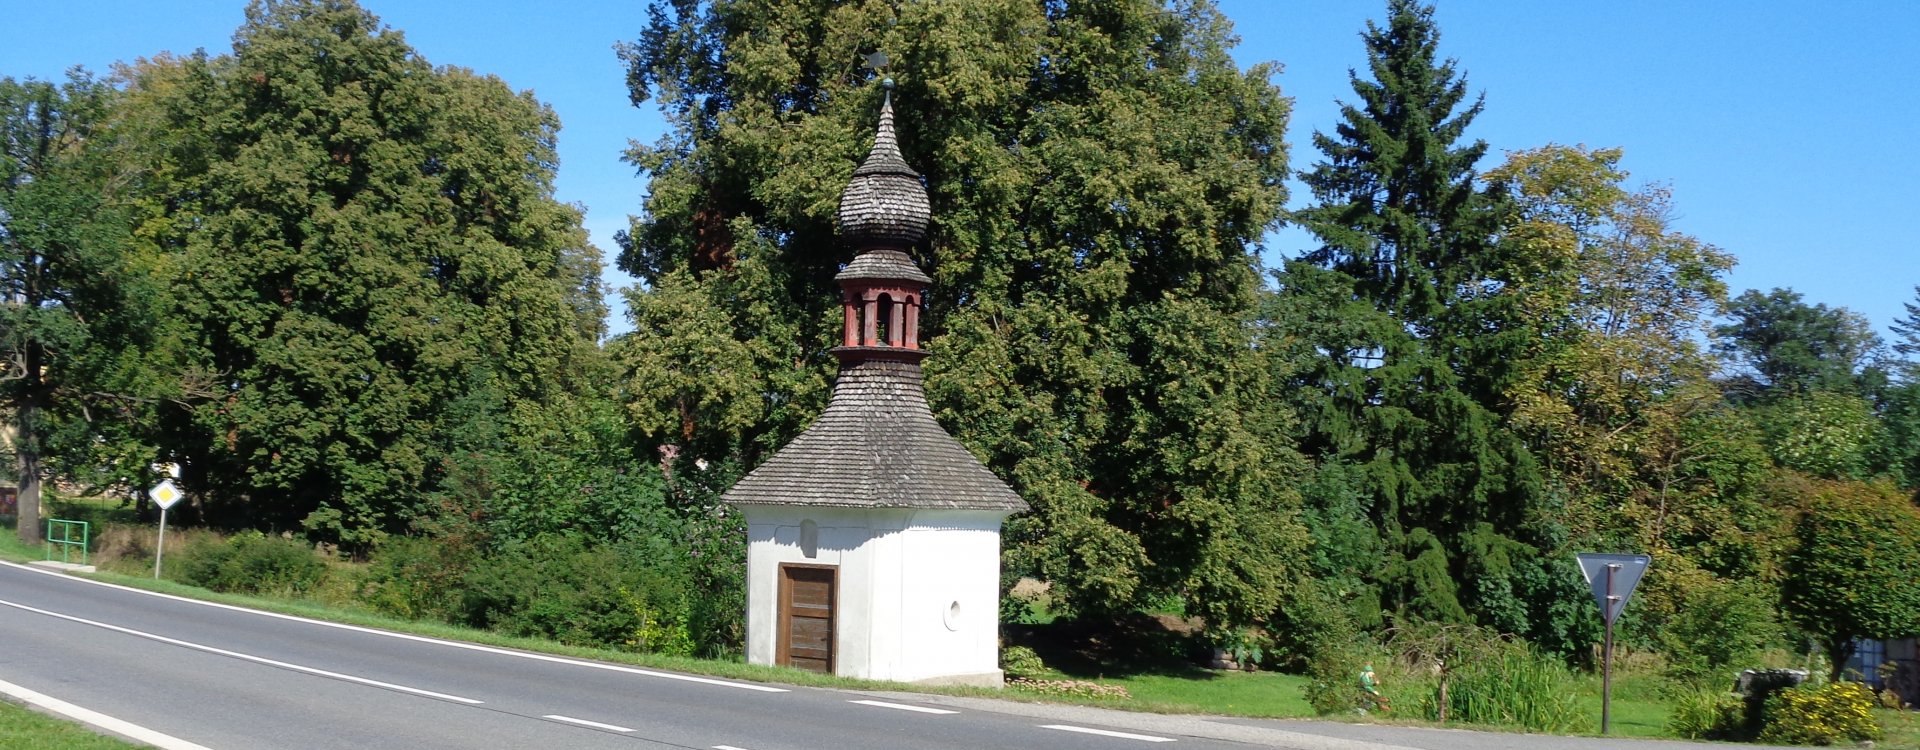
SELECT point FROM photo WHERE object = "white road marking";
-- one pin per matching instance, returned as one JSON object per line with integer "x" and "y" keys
{"x": 727, "y": 747}
{"x": 905, "y": 707}
{"x": 97, "y": 719}
{"x": 245, "y": 657}
{"x": 585, "y": 723}
{"x": 414, "y": 638}
{"x": 1107, "y": 733}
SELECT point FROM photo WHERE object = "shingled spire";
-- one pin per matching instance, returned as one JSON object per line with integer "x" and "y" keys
{"x": 877, "y": 444}
{"x": 884, "y": 205}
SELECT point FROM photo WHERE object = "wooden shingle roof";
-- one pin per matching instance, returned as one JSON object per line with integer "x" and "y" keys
{"x": 876, "y": 446}
{"x": 884, "y": 203}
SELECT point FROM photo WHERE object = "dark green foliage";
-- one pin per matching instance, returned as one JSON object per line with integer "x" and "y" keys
{"x": 1312, "y": 622}
{"x": 1850, "y": 574}
{"x": 1100, "y": 174}
{"x": 77, "y": 333}
{"x": 355, "y": 240}
{"x": 636, "y": 596}
{"x": 253, "y": 563}
{"x": 419, "y": 578}
{"x": 560, "y": 587}
{"x": 1788, "y": 346}
{"x": 1720, "y": 630}
{"x": 1417, "y": 339}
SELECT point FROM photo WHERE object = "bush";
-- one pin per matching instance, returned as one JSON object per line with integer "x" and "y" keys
{"x": 1333, "y": 676}
{"x": 1489, "y": 678}
{"x": 1722, "y": 626}
{"x": 418, "y": 578}
{"x": 1020, "y": 661}
{"x": 1708, "y": 715}
{"x": 253, "y": 563}
{"x": 560, "y": 587}
{"x": 1821, "y": 715}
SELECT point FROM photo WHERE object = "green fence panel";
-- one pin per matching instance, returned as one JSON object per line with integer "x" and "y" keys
{"x": 68, "y": 537}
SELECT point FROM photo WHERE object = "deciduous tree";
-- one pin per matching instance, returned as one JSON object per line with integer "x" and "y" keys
{"x": 1851, "y": 572}
{"x": 76, "y": 325}
{"x": 356, "y": 239}
{"x": 1100, "y": 174}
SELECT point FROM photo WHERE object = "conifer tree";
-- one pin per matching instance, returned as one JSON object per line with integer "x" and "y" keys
{"x": 1411, "y": 396}
{"x": 1100, "y": 173}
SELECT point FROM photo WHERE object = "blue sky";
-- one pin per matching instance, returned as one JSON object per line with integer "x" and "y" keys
{"x": 1789, "y": 131}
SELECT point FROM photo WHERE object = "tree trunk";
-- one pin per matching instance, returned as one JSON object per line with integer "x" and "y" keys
{"x": 26, "y": 447}
{"x": 1839, "y": 650}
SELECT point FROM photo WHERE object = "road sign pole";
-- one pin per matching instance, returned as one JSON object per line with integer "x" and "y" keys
{"x": 1606, "y": 667}
{"x": 160, "y": 545}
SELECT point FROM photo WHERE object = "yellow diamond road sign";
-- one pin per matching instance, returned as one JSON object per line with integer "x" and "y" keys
{"x": 165, "y": 494}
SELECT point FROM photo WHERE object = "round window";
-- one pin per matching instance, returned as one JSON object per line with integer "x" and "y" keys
{"x": 952, "y": 617}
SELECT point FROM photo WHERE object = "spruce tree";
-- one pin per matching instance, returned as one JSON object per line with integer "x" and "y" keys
{"x": 1411, "y": 394}
{"x": 1100, "y": 174}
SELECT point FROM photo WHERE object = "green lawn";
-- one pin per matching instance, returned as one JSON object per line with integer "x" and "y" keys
{"x": 21, "y": 729}
{"x": 1257, "y": 694}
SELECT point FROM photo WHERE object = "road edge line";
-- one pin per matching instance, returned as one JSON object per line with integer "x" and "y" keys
{"x": 415, "y": 638}
{"x": 96, "y": 719}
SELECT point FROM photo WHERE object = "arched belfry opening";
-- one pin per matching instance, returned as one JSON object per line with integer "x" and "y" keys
{"x": 872, "y": 531}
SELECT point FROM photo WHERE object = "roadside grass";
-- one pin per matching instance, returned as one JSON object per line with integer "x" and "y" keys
{"x": 1268, "y": 695}
{"x": 1638, "y": 708}
{"x": 23, "y": 728}
{"x": 1902, "y": 729}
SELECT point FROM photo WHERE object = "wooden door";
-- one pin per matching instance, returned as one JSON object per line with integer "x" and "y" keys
{"x": 806, "y": 616}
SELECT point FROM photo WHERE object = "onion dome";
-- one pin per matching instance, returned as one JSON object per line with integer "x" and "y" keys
{"x": 884, "y": 204}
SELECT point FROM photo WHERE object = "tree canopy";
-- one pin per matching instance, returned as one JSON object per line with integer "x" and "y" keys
{"x": 1101, "y": 175}
{"x": 1409, "y": 394}
{"x": 355, "y": 239}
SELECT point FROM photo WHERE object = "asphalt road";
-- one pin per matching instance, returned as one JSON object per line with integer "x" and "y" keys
{"x": 224, "y": 677}
{"x": 227, "y": 678}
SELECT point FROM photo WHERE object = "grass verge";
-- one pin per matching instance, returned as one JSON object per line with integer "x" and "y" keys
{"x": 23, "y": 728}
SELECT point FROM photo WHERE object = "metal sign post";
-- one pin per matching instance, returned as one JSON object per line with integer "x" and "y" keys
{"x": 164, "y": 495}
{"x": 1612, "y": 578}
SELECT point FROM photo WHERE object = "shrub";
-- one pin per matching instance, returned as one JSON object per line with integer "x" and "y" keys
{"x": 1310, "y": 620}
{"x": 253, "y": 563}
{"x": 418, "y": 578}
{"x": 1722, "y": 626}
{"x": 1483, "y": 677}
{"x": 563, "y": 588}
{"x": 1708, "y": 715}
{"x": 1020, "y": 661}
{"x": 1821, "y": 715}
{"x": 1333, "y": 676}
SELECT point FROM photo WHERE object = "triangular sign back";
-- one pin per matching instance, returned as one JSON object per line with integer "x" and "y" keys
{"x": 1611, "y": 592}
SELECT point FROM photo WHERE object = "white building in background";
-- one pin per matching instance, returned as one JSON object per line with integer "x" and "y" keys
{"x": 874, "y": 537}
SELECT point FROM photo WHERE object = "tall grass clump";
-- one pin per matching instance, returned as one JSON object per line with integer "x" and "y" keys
{"x": 1513, "y": 686}
{"x": 1479, "y": 676}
